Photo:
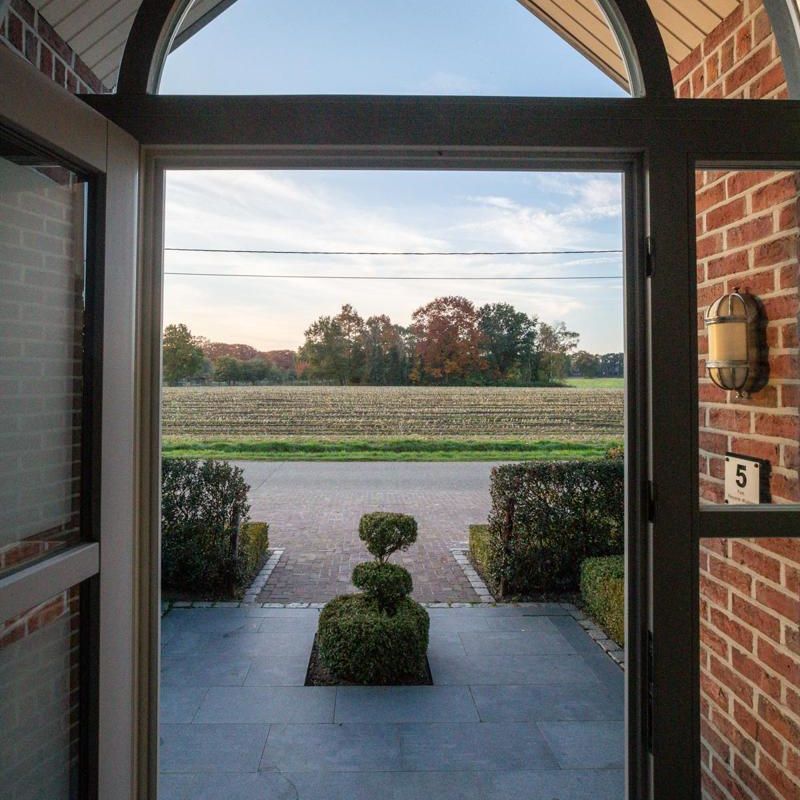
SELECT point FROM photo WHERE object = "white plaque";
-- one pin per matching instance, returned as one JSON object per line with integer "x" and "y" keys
{"x": 742, "y": 480}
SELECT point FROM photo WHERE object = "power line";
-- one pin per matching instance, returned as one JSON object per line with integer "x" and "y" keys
{"x": 393, "y": 252}
{"x": 401, "y": 277}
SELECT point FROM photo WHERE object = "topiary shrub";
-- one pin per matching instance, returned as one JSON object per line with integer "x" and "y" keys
{"x": 547, "y": 517}
{"x": 603, "y": 593}
{"x": 206, "y": 549}
{"x": 387, "y": 584}
{"x": 380, "y": 636}
{"x": 359, "y": 642}
{"x": 385, "y": 532}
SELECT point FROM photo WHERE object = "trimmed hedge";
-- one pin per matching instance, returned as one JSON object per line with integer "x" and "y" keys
{"x": 479, "y": 549}
{"x": 547, "y": 517}
{"x": 360, "y": 643}
{"x": 603, "y": 593}
{"x": 253, "y": 547}
{"x": 207, "y": 548}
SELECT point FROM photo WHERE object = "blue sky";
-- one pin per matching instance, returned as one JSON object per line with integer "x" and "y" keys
{"x": 367, "y": 46}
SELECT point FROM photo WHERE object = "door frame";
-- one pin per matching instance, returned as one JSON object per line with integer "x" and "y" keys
{"x": 62, "y": 126}
{"x": 630, "y": 166}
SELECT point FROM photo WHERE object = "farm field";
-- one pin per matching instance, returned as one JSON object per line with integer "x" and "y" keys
{"x": 390, "y": 423}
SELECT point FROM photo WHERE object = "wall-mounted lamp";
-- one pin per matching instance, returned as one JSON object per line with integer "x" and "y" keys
{"x": 733, "y": 342}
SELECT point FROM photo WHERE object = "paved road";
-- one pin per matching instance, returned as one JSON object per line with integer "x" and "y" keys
{"x": 313, "y": 510}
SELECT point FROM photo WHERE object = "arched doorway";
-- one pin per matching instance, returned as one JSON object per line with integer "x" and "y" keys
{"x": 659, "y": 143}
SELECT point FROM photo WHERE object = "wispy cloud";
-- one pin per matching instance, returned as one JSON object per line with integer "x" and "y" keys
{"x": 386, "y": 211}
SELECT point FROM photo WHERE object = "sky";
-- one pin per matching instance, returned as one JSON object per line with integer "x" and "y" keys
{"x": 364, "y": 46}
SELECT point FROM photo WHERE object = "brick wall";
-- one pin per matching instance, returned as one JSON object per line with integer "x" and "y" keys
{"x": 747, "y": 232}
{"x": 25, "y": 31}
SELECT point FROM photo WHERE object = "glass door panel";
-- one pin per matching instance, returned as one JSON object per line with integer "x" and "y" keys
{"x": 42, "y": 307}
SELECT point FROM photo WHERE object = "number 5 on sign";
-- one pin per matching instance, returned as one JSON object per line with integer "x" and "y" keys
{"x": 742, "y": 480}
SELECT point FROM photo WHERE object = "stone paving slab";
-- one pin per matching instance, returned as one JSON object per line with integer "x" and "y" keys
{"x": 530, "y": 725}
{"x": 313, "y": 509}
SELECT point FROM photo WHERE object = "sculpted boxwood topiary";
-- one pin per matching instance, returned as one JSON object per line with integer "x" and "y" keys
{"x": 361, "y": 643}
{"x": 380, "y": 636}
{"x": 387, "y": 584}
{"x": 385, "y": 532}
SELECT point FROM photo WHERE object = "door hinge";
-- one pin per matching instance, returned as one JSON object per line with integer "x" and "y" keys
{"x": 651, "y": 501}
{"x": 649, "y": 256}
{"x": 650, "y": 691}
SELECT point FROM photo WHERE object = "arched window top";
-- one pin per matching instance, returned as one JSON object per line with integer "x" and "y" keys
{"x": 412, "y": 47}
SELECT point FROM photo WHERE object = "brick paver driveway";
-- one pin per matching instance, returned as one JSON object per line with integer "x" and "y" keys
{"x": 313, "y": 510}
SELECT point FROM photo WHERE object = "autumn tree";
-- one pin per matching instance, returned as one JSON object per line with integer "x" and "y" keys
{"x": 447, "y": 341}
{"x": 508, "y": 339}
{"x": 182, "y": 356}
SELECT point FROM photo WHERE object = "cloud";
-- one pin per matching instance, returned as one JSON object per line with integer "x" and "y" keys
{"x": 381, "y": 211}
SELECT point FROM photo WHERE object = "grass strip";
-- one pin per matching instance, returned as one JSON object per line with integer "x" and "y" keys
{"x": 383, "y": 449}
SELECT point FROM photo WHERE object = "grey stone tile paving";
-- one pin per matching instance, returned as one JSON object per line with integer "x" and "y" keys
{"x": 211, "y": 748}
{"x": 584, "y": 784}
{"x": 405, "y": 704}
{"x": 236, "y": 721}
{"x": 267, "y": 704}
{"x": 562, "y": 701}
{"x": 313, "y": 510}
{"x": 586, "y": 744}
{"x": 348, "y": 747}
{"x": 474, "y": 746}
{"x": 180, "y": 703}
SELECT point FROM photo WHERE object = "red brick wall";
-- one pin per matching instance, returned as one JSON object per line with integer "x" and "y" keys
{"x": 747, "y": 231}
{"x": 24, "y": 30}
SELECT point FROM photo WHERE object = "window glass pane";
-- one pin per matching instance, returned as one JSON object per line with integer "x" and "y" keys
{"x": 417, "y": 47}
{"x": 750, "y": 668}
{"x": 39, "y": 713}
{"x": 747, "y": 307}
{"x": 42, "y": 265}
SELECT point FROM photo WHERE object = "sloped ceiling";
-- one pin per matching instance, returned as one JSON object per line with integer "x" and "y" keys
{"x": 98, "y": 29}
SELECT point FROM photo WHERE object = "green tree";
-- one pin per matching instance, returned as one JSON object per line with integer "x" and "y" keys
{"x": 182, "y": 355}
{"x": 508, "y": 339}
{"x": 227, "y": 370}
{"x": 334, "y": 348}
{"x": 584, "y": 365}
{"x": 254, "y": 370}
{"x": 554, "y": 345}
{"x": 385, "y": 353}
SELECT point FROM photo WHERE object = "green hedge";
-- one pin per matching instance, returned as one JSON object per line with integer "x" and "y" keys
{"x": 208, "y": 549}
{"x": 479, "y": 549}
{"x": 547, "y": 517}
{"x": 603, "y": 593}
{"x": 253, "y": 547}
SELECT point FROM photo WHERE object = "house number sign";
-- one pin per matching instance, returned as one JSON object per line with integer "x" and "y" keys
{"x": 742, "y": 480}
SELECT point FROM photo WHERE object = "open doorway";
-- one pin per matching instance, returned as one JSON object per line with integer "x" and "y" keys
{"x": 341, "y": 343}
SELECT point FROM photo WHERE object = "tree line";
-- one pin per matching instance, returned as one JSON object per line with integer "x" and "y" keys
{"x": 450, "y": 341}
